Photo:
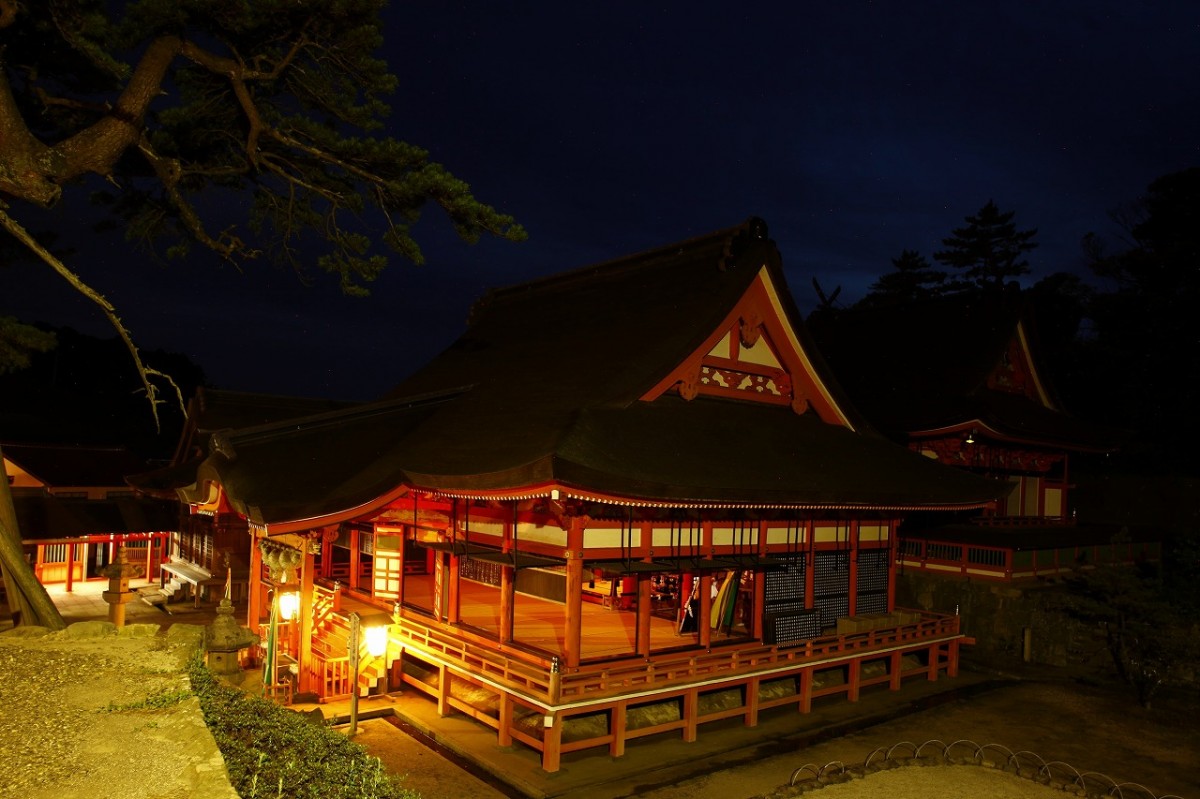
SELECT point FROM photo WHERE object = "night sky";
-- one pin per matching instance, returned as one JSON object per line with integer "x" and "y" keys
{"x": 855, "y": 129}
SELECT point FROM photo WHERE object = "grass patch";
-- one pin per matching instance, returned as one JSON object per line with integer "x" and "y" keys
{"x": 159, "y": 700}
{"x": 270, "y": 751}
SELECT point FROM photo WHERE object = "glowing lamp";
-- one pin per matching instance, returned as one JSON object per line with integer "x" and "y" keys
{"x": 289, "y": 605}
{"x": 376, "y": 639}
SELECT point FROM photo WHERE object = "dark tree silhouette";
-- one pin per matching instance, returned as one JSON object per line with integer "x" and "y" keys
{"x": 989, "y": 251}
{"x": 1145, "y": 352}
{"x": 914, "y": 279}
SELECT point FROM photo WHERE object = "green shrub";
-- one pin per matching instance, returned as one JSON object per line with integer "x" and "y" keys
{"x": 270, "y": 751}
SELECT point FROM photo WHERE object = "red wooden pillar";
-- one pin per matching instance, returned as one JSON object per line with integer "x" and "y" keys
{"x": 760, "y": 587}
{"x": 691, "y": 714}
{"x": 507, "y": 604}
{"x": 505, "y": 719}
{"x": 617, "y": 722}
{"x": 810, "y": 567}
{"x": 893, "y": 552}
{"x": 574, "y": 600}
{"x": 705, "y": 621}
{"x": 852, "y": 588}
{"x": 254, "y": 595}
{"x": 70, "y": 567}
{"x": 644, "y": 603}
{"x": 573, "y": 642}
{"x": 853, "y": 679}
{"x": 304, "y": 683}
{"x": 752, "y": 700}
{"x": 452, "y": 593}
{"x": 355, "y": 556}
{"x": 952, "y": 659}
{"x": 149, "y": 554}
{"x": 806, "y": 689}
{"x": 552, "y": 743}
{"x": 934, "y": 655}
{"x": 895, "y": 664}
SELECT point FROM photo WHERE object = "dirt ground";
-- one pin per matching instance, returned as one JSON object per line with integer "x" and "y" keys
{"x": 1095, "y": 730}
{"x": 1089, "y": 728}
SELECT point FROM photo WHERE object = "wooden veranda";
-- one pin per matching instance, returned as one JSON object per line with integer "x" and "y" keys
{"x": 613, "y": 697}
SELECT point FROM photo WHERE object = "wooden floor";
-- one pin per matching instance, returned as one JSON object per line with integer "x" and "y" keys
{"x": 541, "y": 623}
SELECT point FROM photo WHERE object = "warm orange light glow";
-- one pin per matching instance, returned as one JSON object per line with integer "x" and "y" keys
{"x": 289, "y": 604}
{"x": 376, "y": 638}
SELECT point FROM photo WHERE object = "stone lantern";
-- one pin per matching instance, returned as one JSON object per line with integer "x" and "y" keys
{"x": 225, "y": 639}
{"x": 118, "y": 593}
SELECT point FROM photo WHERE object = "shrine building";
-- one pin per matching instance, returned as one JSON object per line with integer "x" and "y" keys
{"x": 629, "y": 500}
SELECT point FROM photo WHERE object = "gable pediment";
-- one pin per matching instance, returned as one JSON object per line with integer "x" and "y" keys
{"x": 754, "y": 355}
{"x": 1015, "y": 372}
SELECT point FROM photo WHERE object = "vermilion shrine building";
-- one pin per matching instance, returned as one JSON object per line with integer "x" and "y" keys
{"x": 629, "y": 500}
{"x": 958, "y": 380}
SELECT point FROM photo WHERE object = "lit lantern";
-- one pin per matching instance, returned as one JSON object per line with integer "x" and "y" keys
{"x": 376, "y": 640}
{"x": 289, "y": 605}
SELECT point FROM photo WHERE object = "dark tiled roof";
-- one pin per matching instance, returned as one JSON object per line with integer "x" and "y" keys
{"x": 64, "y": 466}
{"x": 41, "y": 517}
{"x": 545, "y": 386}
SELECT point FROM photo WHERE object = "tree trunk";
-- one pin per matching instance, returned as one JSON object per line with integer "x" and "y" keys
{"x": 27, "y": 597}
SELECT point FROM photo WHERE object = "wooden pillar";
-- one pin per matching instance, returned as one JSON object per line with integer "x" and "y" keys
{"x": 617, "y": 721}
{"x": 552, "y": 744}
{"x": 760, "y": 604}
{"x": 254, "y": 594}
{"x": 149, "y": 555}
{"x": 852, "y": 578}
{"x": 304, "y": 683}
{"x": 70, "y": 568}
{"x": 505, "y": 719}
{"x": 952, "y": 658}
{"x": 806, "y": 689}
{"x": 326, "y": 558}
{"x": 853, "y": 679}
{"x": 645, "y": 602}
{"x": 934, "y": 654}
{"x": 893, "y": 551}
{"x": 752, "y": 702}
{"x": 691, "y": 714}
{"x": 705, "y": 622}
{"x": 810, "y": 566}
{"x": 452, "y": 593}
{"x": 896, "y": 664}
{"x": 508, "y": 596}
{"x": 443, "y": 698}
{"x": 574, "y": 596}
{"x": 355, "y": 556}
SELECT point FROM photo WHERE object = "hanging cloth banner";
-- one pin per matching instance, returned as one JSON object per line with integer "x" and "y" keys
{"x": 269, "y": 658}
{"x": 717, "y": 616}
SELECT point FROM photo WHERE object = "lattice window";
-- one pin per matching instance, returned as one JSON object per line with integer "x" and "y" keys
{"x": 873, "y": 575}
{"x": 831, "y": 585}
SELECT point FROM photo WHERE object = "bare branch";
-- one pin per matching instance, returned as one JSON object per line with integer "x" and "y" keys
{"x": 144, "y": 373}
{"x": 169, "y": 172}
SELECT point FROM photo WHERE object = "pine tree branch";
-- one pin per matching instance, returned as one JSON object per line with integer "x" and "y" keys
{"x": 144, "y": 373}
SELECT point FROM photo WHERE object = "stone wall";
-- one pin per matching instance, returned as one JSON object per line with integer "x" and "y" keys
{"x": 1001, "y": 617}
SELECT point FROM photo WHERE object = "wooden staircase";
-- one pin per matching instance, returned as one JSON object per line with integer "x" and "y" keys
{"x": 331, "y": 661}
